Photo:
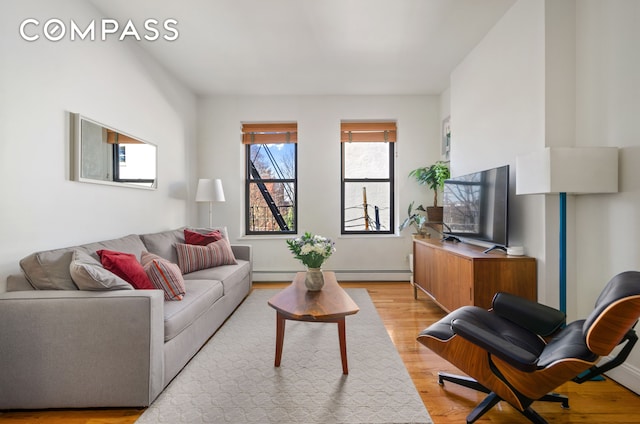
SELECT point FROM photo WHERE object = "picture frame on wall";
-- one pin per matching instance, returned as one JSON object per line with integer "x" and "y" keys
{"x": 446, "y": 137}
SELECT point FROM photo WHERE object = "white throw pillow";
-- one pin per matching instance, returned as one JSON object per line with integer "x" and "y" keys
{"x": 89, "y": 274}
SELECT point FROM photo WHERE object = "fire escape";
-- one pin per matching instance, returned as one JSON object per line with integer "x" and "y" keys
{"x": 273, "y": 207}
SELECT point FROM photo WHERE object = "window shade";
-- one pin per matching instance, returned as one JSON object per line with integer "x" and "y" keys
{"x": 270, "y": 133}
{"x": 368, "y": 131}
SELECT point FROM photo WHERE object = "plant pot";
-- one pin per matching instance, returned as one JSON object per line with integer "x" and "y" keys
{"x": 435, "y": 213}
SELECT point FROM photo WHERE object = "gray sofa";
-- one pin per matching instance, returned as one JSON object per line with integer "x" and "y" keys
{"x": 112, "y": 348}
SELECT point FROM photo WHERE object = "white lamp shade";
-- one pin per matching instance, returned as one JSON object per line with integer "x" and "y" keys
{"x": 574, "y": 170}
{"x": 209, "y": 190}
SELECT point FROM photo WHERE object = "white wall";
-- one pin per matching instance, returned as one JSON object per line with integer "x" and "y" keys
{"x": 221, "y": 155}
{"x": 497, "y": 113}
{"x": 112, "y": 82}
{"x": 608, "y": 102}
{"x": 559, "y": 73}
{"x": 497, "y": 93}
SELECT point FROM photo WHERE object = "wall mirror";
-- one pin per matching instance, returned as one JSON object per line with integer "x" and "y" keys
{"x": 104, "y": 155}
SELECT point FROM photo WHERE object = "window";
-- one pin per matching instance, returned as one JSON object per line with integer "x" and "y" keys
{"x": 367, "y": 177}
{"x": 271, "y": 178}
{"x": 130, "y": 159}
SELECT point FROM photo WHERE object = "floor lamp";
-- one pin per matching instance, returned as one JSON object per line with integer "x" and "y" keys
{"x": 567, "y": 170}
{"x": 210, "y": 191}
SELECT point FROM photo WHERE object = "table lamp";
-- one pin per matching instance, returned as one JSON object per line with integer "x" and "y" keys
{"x": 210, "y": 191}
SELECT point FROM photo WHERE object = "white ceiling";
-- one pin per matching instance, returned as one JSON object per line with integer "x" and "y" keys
{"x": 296, "y": 47}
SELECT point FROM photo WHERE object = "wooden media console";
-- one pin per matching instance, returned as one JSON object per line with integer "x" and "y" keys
{"x": 455, "y": 274}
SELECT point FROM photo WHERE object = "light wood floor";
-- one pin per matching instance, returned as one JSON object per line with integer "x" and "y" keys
{"x": 591, "y": 402}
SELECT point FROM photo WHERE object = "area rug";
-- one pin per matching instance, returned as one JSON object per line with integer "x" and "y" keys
{"x": 233, "y": 378}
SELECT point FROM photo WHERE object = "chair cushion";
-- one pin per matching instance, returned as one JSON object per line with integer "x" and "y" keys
{"x": 536, "y": 317}
{"x": 441, "y": 329}
{"x": 623, "y": 285}
{"x": 199, "y": 297}
{"x": 567, "y": 343}
{"x": 488, "y": 322}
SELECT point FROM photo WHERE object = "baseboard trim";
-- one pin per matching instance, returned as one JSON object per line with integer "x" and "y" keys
{"x": 626, "y": 375}
{"x": 341, "y": 275}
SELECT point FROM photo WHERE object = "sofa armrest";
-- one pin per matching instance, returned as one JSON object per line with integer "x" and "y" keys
{"x": 242, "y": 251}
{"x": 78, "y": 349}
{"x": 18, "y": 282}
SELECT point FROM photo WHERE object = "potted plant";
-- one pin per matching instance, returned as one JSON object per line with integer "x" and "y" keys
{"x": 416, "y": 219}
{"x": 434, "y": 177}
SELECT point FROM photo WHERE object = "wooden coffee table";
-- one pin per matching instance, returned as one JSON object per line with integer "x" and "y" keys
{"x": 331, "y": 304}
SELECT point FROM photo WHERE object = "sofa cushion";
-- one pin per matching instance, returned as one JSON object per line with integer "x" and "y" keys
{"x": 127, "y": 267}
{"x": 229, "y": 275}
{"x": 192, "y": 257}
{"x": 88, "y": 274}
{"x": 163, "y": 243}
{"x": 49, "y": 270}
{"x": 127, "y": 244}
{"x": 200, "y": 296}
{"x": 164, "y": 275}
{"x": 194, "y": 237}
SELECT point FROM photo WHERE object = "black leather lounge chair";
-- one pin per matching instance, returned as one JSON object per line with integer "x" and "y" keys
{"x": 520, "y": 350}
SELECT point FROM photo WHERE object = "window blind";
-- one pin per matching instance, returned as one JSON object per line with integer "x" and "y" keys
{"x": 270, "y": 133}
{"x": 368, "y": 131}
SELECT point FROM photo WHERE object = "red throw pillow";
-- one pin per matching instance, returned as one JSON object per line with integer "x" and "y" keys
{"x": 199, "y": 239}
{"x": 127, "y": 267}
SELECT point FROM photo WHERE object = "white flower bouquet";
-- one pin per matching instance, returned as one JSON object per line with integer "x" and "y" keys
{"x": 311, "y": 250}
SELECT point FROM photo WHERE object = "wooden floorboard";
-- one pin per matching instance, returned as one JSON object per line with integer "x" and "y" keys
{"x": 404, "y": 317}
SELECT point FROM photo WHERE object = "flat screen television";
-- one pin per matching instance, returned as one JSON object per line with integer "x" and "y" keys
{"x": 476, "y": 207}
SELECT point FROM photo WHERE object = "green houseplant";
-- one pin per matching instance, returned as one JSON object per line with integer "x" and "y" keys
{"x": 416, "y": 219}
{"x": 433, "y": 176}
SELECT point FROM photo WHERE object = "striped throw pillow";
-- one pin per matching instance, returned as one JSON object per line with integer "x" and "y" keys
{"x": 164, "y": 275}
{"x": 192, "y": 257}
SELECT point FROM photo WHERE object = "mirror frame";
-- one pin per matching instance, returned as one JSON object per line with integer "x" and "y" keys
{"x": 76, "y": 171}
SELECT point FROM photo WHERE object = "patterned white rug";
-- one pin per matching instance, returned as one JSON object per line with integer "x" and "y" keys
{"x": 233, "y": 380}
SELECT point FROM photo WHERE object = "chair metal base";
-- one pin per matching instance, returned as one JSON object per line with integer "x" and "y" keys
{"x": 492, "y": 399}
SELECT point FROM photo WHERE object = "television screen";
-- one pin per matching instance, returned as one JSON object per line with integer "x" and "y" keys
{"x": 476, "y": 206}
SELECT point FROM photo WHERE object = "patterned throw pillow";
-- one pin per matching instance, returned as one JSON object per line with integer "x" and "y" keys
{"x": 193, "y": 237}
{"x": 164, "y": 275}
{"x": 125, "y": 266}
{"x": 193, "y": 258}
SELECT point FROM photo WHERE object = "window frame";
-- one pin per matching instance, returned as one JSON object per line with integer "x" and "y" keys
{"x": 116, "y": 163}
{"x": 249, "y": 180}
{"x": 390, "y": 180}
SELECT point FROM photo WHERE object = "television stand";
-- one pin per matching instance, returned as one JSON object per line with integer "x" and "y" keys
{"x": 458, "y": 274}
{"x": 496, "y": 247}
